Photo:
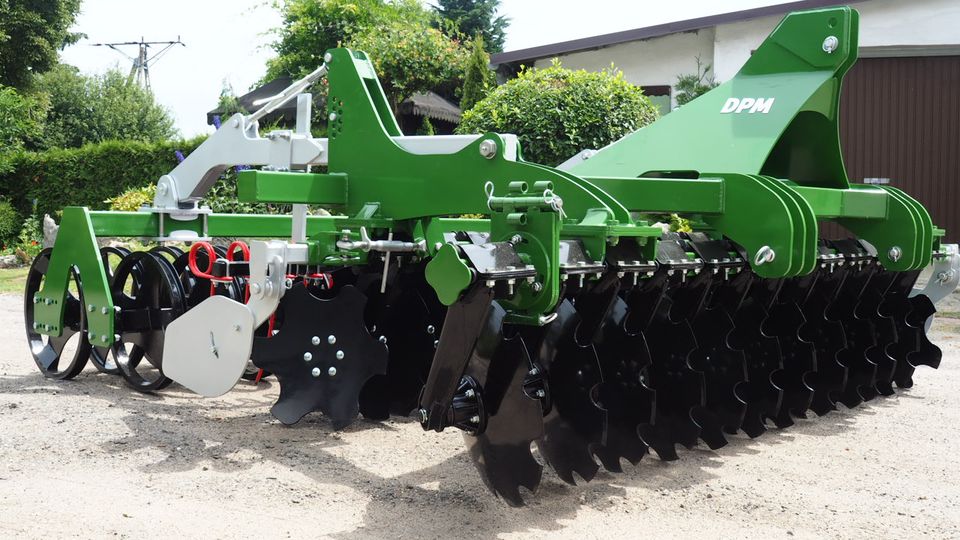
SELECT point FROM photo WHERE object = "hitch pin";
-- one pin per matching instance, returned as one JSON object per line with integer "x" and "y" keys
{"x": 386, "y": 264}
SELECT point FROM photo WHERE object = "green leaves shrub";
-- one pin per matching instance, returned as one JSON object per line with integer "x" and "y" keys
{"x": 557, "y": 112}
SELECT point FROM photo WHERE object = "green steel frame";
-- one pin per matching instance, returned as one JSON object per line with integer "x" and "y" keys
{"x": 756, "y": 160}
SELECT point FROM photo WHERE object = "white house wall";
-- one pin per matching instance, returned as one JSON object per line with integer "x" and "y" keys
{"x": 650, "y": 62}
{"x": 885, "y": 27}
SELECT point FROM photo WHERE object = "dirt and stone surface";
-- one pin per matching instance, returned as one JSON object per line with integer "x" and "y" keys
{"x": 90, "y": 458}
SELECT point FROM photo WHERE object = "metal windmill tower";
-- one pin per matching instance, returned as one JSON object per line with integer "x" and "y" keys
{"x": 140, "y": 70}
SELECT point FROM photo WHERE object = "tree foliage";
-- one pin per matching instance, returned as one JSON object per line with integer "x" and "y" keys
{"x": 31, "y": 34}
{"x": 478, "y": 79}
{"x": 692, "y": 86}
{"x": 476, "y": 17}
{"x": 89, "y": 109}
{"x": 310, "y": 27}
{"x": 557, "y": 112}
{"x": 21, "y": 119}
{"x": 411, "y": 57}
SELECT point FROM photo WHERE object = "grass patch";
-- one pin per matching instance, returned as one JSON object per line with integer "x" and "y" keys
{"x": 13, "y": 280}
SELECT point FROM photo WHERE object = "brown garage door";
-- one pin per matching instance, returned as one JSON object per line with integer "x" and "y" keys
{"x": 900, "y": 119}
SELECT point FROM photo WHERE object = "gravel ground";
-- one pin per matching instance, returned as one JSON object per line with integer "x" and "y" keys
{"x": 90, "y": 458}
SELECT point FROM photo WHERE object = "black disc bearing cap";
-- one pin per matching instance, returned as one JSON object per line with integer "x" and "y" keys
{"x": 322, "y": 356}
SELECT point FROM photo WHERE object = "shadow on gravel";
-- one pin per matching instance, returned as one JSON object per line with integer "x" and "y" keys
{"x": 213, "y": 433}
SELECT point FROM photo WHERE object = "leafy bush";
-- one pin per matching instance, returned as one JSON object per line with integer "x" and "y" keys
{"x": 9, "y": 222}
{"x": 30, "y": 240}
{"x": 132, "y": 199}
{"x": 558, "y": 112}
{"x": 691, "y": 86}
{"x": 86, "y": 176}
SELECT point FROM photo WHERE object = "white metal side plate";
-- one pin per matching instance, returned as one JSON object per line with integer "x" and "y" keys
{"x": 206, "y": 349}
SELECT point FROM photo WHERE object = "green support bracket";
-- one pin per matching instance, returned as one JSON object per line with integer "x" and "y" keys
{"x": 76, "y": 247}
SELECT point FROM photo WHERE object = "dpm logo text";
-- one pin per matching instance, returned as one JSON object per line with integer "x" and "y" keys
{"x": 750, "y": 105}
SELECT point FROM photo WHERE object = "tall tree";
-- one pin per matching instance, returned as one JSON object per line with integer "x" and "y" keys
{"x": 478, "y": 78}
{"x": 310, "y": 27}
{"x": 472, "y": 17}
{"x": 410, "y": 55}
{"x": 88, "y": 109}
{"x": 31, "y": 34}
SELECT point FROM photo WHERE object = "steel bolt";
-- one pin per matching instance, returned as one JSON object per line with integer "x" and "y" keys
{"x": 431, "y": 329}
{"x": 236, "y": 328}
{"x": 104, "y": 310}
{"x": 332, "y": 371}
{"x": 895, "y": 253}
{"x": 424, "y": 416}
{"x": 516, "y": 239}
{"x": 340, "y": 355}
{"x": 830, "y": 44}
{"x": 469, "y": 393}
{"x": 315, "y": 372}
{"x": 90, "y": 307}
{"x": 475, "y": 419}
{"x": 105, "y": 338}
{"x": 383, "y": 339}
{"x": 537, "y": 286}
{"x": 534, "y": 372}
{"x": 541, "y": 393}
{"x": 435, "y": 343}
{"x": 307, "y": 356}
{"x": 333, "y": 116}
{"x": 331, "y": 339}
{"x": 36, "y": 326}
{"x": 315, "y": 340}
{"x": 488, "y": 148}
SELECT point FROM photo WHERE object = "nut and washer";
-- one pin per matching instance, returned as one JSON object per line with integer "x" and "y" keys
{"x": 307, "y": 356}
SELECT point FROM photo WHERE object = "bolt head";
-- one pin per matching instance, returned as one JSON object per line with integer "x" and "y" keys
{"x": 423, "y": 415}
{"x": 331, "y": 339}
{"x": 315, "y": 340}
{"x": 541, "y": 393}
{"x": 104, "y": 338}
{"x": 332, "y": 371}
{"x": 36, "y": 326}
{"x": 431, "y": 329}
{"x": 383, "y": 339}
{"x": 315, "y": 372}
{"x": 516, "y": 239}
{"x": 488, "y": 148}
{"x": 537, "y": 286}
{"x": 90, "y": 307}
{"x": 469, "y": 393}
{"x": 340, "y": 355}
{"x": 307, "y": 356}
{"x": 327, "y": 58}
{"x": 475, "y": 419}
{"x": 104, "y": 310}
{"x": 435, "y": 343}
{"x": 333, "y": 116}
{"x": 830, "y": 44}
{"x": 895, "y": 253}
{"x": 236, "y": 328}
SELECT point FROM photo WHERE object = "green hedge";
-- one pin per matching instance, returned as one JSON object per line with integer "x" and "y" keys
{"x": 86, "y": 176}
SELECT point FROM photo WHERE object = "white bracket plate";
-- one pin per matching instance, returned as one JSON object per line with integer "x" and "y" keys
{"x": 207, "y": 348}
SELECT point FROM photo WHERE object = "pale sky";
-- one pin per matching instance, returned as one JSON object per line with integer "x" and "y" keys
{"x": 227, "y": 39}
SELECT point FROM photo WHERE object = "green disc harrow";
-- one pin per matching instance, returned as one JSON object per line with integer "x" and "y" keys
{"x": 564, "y": 323}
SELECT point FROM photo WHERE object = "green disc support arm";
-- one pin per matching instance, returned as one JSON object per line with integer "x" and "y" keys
{"x": 76, "y": 248}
